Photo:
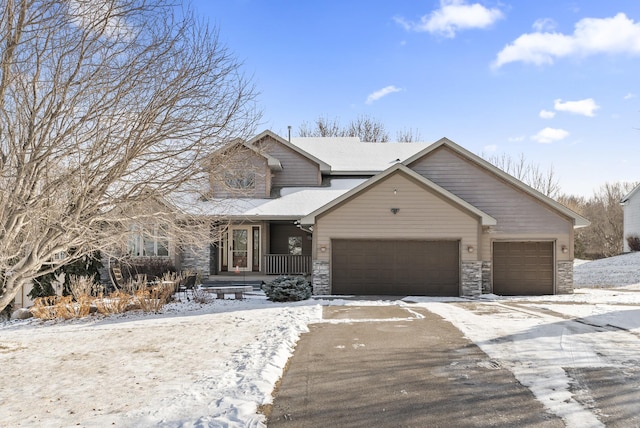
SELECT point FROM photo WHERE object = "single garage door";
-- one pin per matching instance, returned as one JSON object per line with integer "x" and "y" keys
{"x": 522, "y": 268}
{"x": 395, "y": 267}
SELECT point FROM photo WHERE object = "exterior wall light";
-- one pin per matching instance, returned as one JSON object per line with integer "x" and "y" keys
{"x": 564, "y": 249}
{"x": 470, "y": 249}
{"x": 323, "y": 248}
{"x": 395, "y": 210}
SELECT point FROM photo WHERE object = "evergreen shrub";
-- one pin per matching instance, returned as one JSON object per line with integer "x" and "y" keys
{"x": 288, "y": 289}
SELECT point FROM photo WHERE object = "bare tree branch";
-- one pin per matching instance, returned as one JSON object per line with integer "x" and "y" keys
{"x": 105, "y": 108}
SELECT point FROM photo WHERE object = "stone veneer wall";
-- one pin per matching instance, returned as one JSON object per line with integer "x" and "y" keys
{"x": 486, "y": 277}
{"x": 471, "y": 279}
{"x": 564, "y": 277}
{"x": 320, "y": 278}
{"x": 196, "y": 259}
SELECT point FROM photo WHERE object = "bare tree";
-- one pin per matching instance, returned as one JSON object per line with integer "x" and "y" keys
{"x": 323, "y": 127}
{"x": 366, "y": 128}
{"x": 529, "y": 173}
{"x": 408, "y": 135}
{"x": 106, "y": 107}
{"x": 604, "y": 237}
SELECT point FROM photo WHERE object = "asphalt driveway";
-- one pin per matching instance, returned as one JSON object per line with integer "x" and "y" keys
{"x": 390, "y": 366}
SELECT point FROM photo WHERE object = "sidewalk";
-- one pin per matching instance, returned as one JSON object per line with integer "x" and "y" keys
{"x": 395, "y": 369}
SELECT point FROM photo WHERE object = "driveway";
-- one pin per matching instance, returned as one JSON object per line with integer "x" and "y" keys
{"x": 393, "y": 366}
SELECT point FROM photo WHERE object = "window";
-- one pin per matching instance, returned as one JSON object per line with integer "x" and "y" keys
{"x": 240, "y": 180}
{"x": 151, "y": 240}
{"x": 295, "y": 245}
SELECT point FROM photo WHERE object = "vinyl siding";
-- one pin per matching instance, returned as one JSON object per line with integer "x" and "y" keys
{"x": 631, "y": 218}
{"x": 243, "y": 160}
{"x": 515, "y": 211}
{"x": 297, "y": 170}
{"x": 423, "y": 215}
{"x": 518, "y": 215}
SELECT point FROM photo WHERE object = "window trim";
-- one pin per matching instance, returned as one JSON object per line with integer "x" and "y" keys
{"x": 155, "y": 234}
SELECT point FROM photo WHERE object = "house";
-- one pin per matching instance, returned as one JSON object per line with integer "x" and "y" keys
{"x": 631, "y": 214}
{"x": 385, "y": 219}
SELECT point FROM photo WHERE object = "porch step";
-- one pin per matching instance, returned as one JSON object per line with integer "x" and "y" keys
{"x": 256, "y": 284}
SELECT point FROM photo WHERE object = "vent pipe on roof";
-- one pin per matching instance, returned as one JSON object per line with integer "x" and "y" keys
{"x": 289, "y": 127}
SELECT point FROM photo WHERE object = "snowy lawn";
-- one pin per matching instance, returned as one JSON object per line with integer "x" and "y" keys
{"x": 213, "y": 365}
{"x": 193, "y": 365}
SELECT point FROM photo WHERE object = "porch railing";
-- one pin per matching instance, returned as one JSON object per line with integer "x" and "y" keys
{"x": 287, "y": 264}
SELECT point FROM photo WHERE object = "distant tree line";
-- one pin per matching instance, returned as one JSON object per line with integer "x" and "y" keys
{"x": 365, "y": 127}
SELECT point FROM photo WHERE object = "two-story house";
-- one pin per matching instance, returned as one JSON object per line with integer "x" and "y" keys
{"x": 385, "y": 219}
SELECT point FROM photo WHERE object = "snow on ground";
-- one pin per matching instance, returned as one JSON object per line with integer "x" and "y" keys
{"x": 212, "y": 365}
{"x": 193, "y": 365}
{"x": 611, "y": 272}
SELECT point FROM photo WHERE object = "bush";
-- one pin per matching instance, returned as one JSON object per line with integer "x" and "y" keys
{"x": 634, "y": 242}
{"x": 152, "y": 268}
{"x": 87, "y": 266}
{"x": 288, "y": 289}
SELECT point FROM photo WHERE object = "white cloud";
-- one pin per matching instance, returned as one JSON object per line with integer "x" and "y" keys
{"x": 591, "y": 36}
{"x": 546, "y": 114}
{"x": 382, "y": 93}
{"x": 516, "y": 139}
{"x": 586, "y": 107}
{"x": 544, "y": 24}
{"x": 490, "y": 148}
{"x": 453, "y": 16}
{"x": 630, "y": 96}
{"x": 549, "y": 135}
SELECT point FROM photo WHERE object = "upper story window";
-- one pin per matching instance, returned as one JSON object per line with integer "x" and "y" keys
{"x": 241, "y": 180}
{"x": 149, "y": 240}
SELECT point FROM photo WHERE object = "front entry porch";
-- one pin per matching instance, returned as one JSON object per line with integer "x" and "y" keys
{"x": 262, "y": 248}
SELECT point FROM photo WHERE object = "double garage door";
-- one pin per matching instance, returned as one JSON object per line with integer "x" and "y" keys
{"x": 523, "y": 268}
{"x": 395, "y": 267}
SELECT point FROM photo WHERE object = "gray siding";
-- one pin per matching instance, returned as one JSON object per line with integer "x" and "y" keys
{"x": 515, "y": 211}
{"x": 242, "y": 160}
{"x": 297, "y": 170}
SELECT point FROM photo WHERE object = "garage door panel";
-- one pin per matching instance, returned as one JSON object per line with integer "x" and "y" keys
{"x": 395, "y": 267}
{"x": 523, "y": 268}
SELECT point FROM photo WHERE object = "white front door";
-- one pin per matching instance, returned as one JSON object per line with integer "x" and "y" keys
{"x": 239, "y": 249}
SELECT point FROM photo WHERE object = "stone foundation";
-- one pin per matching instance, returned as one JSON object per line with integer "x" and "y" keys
{"x": 471, "y": 279}
{"x": 196, "y": 259}
{"x": 486, "y": 277}
{"x": 320, "y": 278}
{"x": 564, "y": 277}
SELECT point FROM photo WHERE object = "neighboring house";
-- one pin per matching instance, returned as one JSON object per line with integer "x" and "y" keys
{"x": 631, "y": 212}
{"x": 385, "y": 219}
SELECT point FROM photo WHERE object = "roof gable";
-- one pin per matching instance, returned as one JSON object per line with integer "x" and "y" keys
{"x": 630, "y": 195}
{"x": 485, "y": 219}
{"x": 578, "y": 220}
{"x": 324, "y": 167}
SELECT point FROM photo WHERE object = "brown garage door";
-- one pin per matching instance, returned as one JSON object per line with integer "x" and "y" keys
{"x": 394, "y": 267}
{"x": 522, "y": 268}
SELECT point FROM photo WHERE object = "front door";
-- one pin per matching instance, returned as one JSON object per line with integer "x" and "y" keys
{"x": 239, "y": 249}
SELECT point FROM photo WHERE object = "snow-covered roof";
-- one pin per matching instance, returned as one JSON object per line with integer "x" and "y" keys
{"x": 348, "y": 155}
{"x": 294, "y": 203}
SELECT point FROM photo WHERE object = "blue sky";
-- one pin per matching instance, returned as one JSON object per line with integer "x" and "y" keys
{"x": 557, "y": 81}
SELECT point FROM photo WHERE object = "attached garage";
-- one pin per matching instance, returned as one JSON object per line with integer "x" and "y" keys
{"x": 395, "y": 267}
{"x": 523, "y": 268}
